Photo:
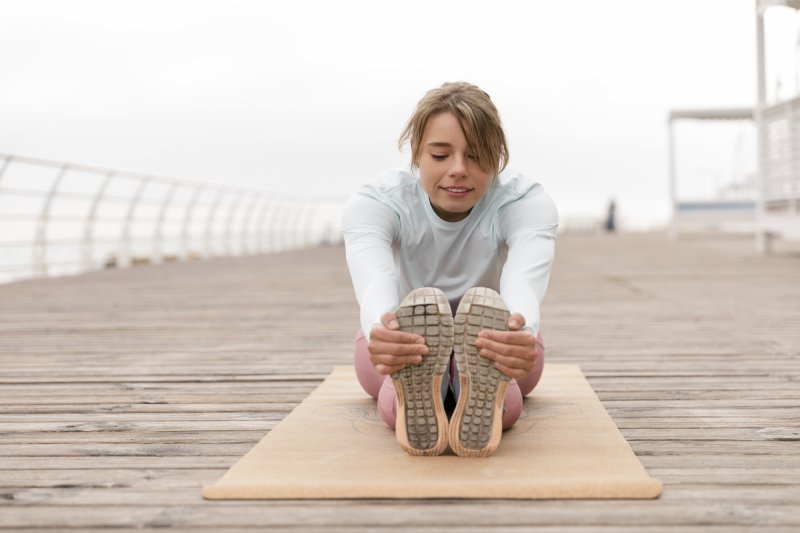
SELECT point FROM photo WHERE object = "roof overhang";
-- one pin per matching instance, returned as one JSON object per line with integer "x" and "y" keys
{"x": 732, "y": 113}
{"x": 763, "y": 5}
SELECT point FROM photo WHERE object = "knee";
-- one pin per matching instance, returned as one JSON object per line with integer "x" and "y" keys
{"x": 512, "y": 404}
{"x": 387, "y": 402}
{"x": 367, "y": 376}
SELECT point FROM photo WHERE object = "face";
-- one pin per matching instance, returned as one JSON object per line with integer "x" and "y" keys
{"x": 449, "y": 170}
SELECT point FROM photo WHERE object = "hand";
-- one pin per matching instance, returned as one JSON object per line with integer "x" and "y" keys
{"x": 390, "y": 349}
{"x": 513, "y": 352}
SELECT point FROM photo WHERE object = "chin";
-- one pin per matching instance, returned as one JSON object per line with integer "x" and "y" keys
{"x": 458, "y": 210}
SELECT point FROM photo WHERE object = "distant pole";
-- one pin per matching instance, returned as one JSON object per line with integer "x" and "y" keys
{"x": 673, "y": 225}
{"x": 762, "y": 239}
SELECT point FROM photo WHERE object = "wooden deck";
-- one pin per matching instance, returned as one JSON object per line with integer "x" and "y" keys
{"x": 123, "y": 392}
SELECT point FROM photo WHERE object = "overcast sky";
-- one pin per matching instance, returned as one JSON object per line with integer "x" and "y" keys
{"x": 310, "y": 96}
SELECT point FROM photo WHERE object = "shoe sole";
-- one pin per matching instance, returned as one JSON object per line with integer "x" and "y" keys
{"x": 421, "y": 425}
{"x": 477, "y": 423}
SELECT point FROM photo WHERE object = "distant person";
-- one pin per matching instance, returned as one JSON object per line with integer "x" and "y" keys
{"x": 450, "y": 234}
{"x": 610, "y": 215}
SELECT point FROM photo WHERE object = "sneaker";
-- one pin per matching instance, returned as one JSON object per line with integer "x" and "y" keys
{"x": 477, "y": 423}
{"x": 421, "y": 425}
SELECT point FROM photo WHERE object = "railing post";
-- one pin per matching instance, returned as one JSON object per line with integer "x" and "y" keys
{"x": 88, "y": 226}
{"x": 269, "y": 204}
{"x": 229, "y": 222}
{"x": 210, "y": 221}
{"x": 157, "y": 256}
{"x": 287, "y": 207}
{"x": 125, "y": 241}
{"x": 40, "y": 243}
{"x": 275, "y": 216}
{"x": 248, "y": 216}
{"x": 292, "y": 226}
{"x": 187, "y": 221}
{"x": 311, "y": 211}
{"x": 6, "y": 164}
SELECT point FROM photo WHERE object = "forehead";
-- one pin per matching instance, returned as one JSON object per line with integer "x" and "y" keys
{"x": 444, "y": 128}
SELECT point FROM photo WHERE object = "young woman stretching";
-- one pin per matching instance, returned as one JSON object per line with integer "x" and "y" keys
{"x": 450, "y": 260}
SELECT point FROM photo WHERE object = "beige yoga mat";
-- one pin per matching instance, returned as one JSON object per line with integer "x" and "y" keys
{"x": 334, "y": 445}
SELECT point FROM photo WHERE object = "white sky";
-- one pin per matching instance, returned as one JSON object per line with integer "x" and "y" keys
{"x": 310, "y": 96}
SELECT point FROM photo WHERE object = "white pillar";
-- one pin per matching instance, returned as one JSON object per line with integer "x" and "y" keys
{"x": 673, "y": 226}
{"x": 762, "y": 237}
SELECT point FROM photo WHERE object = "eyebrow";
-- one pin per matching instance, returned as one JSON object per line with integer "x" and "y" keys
{"x": 440, "y": 144}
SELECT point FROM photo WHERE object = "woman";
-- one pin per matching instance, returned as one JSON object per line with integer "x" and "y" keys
{"x": 453, "y": 235}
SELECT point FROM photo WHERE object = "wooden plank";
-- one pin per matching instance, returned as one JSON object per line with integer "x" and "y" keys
{"x": 125, "y": 391}
{"x": 390, "y": 515}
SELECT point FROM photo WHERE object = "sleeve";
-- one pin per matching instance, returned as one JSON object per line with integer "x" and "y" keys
{"x": 528, "y": 226}
{"x": 369, "y": 228}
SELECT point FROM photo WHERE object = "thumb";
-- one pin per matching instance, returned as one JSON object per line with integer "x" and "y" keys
{"x": 516, "y": 321}
{"x": 390, "y": 320}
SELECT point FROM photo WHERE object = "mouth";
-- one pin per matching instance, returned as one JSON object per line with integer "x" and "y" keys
{"x": 456, "y": 190}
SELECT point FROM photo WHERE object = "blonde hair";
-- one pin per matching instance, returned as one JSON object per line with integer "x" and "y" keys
{"x": 477, "y": 115}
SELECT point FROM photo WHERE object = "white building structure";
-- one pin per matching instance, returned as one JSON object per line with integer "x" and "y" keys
{"x": 732, "y": 208}
{"x": 778, "y": 122}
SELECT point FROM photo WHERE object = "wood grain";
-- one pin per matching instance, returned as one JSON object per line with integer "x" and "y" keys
{"x": 123, "y": 392}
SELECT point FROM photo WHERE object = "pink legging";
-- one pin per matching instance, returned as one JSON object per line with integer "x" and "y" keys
{"x": 381, "y": 388}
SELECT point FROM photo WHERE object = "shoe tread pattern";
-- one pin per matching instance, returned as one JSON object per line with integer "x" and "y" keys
{"x": 483, "y": 309}
{"x": 424, "y": 312}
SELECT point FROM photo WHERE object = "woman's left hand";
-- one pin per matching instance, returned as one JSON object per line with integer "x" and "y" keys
{"x": 513, "y": 351}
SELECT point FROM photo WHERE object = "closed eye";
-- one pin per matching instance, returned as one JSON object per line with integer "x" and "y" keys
{"x": 438, "y": 157}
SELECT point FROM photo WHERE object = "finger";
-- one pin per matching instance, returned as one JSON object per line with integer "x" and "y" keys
{"x": 395, "y": 360}
{"x": 513, "y": 350}
{"x": 511, "y": 372}
{"x": 385, "y": 370}
{"x": 383, "y": 334}
{"x": 522, "y": 363}
{"x": 396, "y": 348}
{"x": 516, "y": 321}
{"x": 519, "y": 338}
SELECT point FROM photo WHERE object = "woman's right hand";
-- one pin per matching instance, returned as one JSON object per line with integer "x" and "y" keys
{"x": 391, "y": 349}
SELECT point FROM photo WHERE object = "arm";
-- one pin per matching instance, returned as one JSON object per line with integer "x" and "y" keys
{"x": 528, "y": 226}
{"x": 369, "y": 228}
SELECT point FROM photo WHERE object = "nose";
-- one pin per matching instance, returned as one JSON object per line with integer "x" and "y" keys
{"x": 459, "y": 167}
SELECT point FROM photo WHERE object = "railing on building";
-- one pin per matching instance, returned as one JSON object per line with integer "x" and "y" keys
{"x": 778, "y": 205}
{"x": 779, "y": 184}
{"x": 61, "y": 218}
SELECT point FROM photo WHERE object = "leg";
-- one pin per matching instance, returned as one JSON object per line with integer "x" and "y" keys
{"x": 387, "y": 402}
{"x": 528, "y": 382}
{"x": 369, "y": 378}
{"x": 512, "y": 401}
{"x": 512, "y": 404}
{"x": 517, "y": 390}
{"x": 378, "y": 386}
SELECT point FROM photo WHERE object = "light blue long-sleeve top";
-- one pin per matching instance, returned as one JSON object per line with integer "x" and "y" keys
{"x": 395, "y": 243}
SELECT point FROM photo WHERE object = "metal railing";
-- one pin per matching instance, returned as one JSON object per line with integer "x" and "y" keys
{"x": 779, "y": 173}
{"x": 780, "y": 137}
{"x": 61, "y": 218}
